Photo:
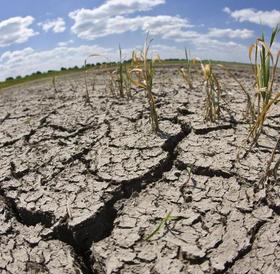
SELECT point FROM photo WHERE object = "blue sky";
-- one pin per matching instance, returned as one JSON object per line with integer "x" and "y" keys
{"x": 42, "y": 35}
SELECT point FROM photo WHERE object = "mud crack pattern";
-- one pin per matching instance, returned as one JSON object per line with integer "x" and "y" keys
{"x": 82, "y": 186}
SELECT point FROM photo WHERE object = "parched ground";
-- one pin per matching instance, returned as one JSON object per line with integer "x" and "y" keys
{"x": 82, "y": 187}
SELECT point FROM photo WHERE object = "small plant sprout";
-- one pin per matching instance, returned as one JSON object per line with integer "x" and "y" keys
{"x": 120, "y": 72}
{"x": 164, "y": 221}
{"x": 212, "y": 90}
{"x": 87, "y": 96}
{"x": 121, "y": 77}
{"x": 54, "y": 83}
{"x": 142, "y": 75}
{"x": 186, "y": 72}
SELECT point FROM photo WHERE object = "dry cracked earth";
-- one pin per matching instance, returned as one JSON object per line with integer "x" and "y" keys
{"x": 82, "y": 187}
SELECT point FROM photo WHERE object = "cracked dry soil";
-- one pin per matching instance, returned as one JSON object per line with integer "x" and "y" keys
{"x": 82, "y": 187}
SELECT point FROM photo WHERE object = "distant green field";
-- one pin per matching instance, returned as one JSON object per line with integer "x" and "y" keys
{"x": 50, "y": 74}
{"x": 33, "y": 77}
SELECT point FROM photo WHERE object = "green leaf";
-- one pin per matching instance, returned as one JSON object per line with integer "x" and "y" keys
{"x": 162, "y": 223}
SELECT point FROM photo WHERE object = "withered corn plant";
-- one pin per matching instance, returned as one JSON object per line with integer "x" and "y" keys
{"x": 142, "y": 75}
{"x": 212, "y": 90}
{"x": 186, "y": 72}
{"x": 122, "y": 78}
{"x": 256, "y": 128}
{"x": 264, "y": 65}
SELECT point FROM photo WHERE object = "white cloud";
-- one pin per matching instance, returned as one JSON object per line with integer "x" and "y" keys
{"x": 205, "y": 43}
{"x": 15, "y": 56}
{"x": 112, "y": 17}
{"x": 28, "y": 60}
{"x": 268, "y": 18}
{"x": 227, "y": 10}
{"x": 16, "y": 30}
{"x": 115, "y": 7}
{"x": 165, "y": 26}
{"x": 157, "y": 25}
{"x": 65, "y": 43}
{"x": 231, "y": 33}
{"x": 56, "y": 25}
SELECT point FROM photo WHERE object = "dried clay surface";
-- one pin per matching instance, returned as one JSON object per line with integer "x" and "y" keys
{"x": 84, "y": 186}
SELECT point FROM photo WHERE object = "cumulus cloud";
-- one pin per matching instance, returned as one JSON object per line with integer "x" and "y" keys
{"x": 115, "y": 7}
{"x": 28, "y": 60}
{"x": 268, "y": 18}
{"x": 157, "y": 25}
{"x": 231, "y": 33}
{"x": 112, "y": 17}
{"x": 16, "y": 30}
{"x": 15, "y": 56}
{"x": 56, "y": 25}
